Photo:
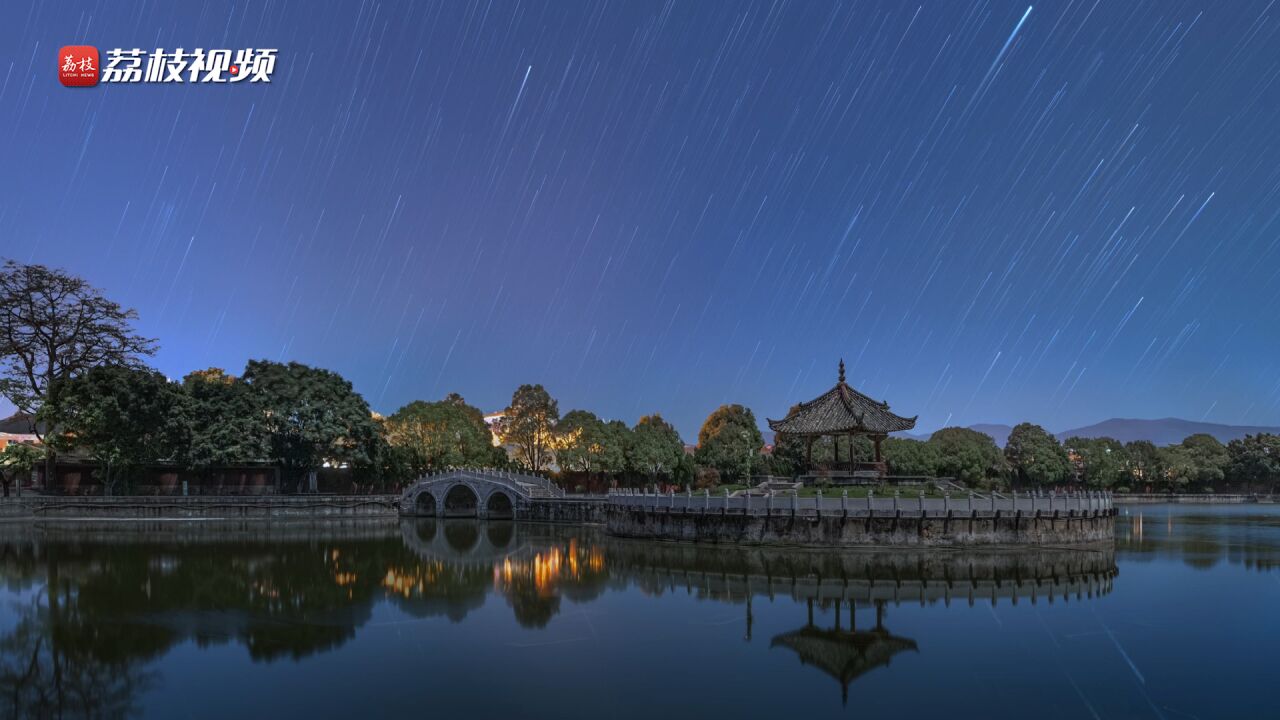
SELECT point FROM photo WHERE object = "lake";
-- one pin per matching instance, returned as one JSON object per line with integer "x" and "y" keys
{"x": 458, "y": 619}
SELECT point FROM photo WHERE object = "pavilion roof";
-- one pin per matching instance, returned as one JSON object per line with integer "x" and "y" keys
{"x": 841, "y": 410}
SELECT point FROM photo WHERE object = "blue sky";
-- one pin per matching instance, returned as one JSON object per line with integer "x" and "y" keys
{"x": 993, "y": 212}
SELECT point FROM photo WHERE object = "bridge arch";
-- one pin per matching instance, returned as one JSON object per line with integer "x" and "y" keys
{"x": 425, "y": 504}
{"x": 461, "y": 500}
{"x": 498, "y": 506}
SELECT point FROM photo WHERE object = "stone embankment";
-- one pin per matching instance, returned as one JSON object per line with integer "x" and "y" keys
{"x": 1190, "y": 499}
{"x": 198, "y": 507}
{"x": 853, "y": 522}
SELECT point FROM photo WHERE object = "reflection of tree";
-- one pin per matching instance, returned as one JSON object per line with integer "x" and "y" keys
{"x": 1199, "y": 538}
{"x": 430, "y": 588}
{"x": 534, "y": 585}
{"x": 132, "y": 602}
{"x": 41, "y": 675}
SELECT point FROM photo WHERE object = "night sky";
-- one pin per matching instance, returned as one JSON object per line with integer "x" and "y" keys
{"x": 992, "y": 212}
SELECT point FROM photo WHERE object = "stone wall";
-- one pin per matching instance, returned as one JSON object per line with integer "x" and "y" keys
{"x": 576, "y": 510}
{"x": 199, "y": 507}
{"x": 909, "y": 529}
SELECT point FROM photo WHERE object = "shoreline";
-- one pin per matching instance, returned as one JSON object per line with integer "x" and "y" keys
{"x": 1193, "y": 499}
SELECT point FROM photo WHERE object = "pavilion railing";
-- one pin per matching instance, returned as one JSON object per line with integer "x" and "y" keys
{"x": 1075, "y": 504}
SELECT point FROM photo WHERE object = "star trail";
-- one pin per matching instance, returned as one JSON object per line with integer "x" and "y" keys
{"x": 993, "y": 212}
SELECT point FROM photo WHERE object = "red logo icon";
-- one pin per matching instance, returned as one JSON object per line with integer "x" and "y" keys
{"x": 78, "y": 66}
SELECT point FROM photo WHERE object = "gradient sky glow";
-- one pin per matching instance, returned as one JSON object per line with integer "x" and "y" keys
{"x": 993, "y": 212}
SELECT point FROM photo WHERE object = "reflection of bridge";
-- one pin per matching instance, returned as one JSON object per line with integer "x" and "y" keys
{"x": 463, "y": 543}
{"x": 479, "y": 493}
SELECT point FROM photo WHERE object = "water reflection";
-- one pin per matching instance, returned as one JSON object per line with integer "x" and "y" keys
{"x": 94, "y": 607}
{"x": 844, "y": 654}
{"x": 1201, "y": 536}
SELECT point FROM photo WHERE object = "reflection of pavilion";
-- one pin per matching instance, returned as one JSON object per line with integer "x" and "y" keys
{"x": 860, "y": 580}
{"x": 844, "y": 654}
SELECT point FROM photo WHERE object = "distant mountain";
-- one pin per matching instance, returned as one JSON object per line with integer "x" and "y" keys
{"x": 998, "y": 432}
{"x": 1166, "y": 431}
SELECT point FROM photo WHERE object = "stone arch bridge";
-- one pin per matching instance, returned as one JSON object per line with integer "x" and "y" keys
{"x": 476, "y": 493}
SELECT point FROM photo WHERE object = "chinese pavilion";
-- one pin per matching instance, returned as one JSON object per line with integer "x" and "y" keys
{"x": 842, "y": 412}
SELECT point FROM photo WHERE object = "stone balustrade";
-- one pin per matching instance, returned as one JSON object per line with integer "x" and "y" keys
{"x": 1081, "y": 504}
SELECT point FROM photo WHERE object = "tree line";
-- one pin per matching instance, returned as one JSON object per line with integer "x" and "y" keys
{"x": 70, "y": 358}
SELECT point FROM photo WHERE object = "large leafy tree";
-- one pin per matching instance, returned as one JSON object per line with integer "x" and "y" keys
{"x": 431, "y": 436}
{"x": 1254, "y": 460}
{"x": 968, "y": 455}
{"x": 227, "y": 423}
{"x": 54, "y": 327}
{"x": 1146, "y": 465}
{"x": 617, "y": 447}
{"x": 1101, "y": 462}
{"x": 730, "y": 442}
{"x": 313, "y": 417}
{"x": 1177, "y": 467}
{"x": 122, "y": 417}
{"x": 911, "y": 458}
{"x": 1209, "y": 456}
{"x": 16, "y": 462}
{"x": 529, "y": 423}
{"x": 581, "y": 441}
{"x": 656, "y": 447}
{"x": 1035, "y": 456}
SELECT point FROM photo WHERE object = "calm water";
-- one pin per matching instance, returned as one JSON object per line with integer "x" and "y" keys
{"x": 503, "y": 621}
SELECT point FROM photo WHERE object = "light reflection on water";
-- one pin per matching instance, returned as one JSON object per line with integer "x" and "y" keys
{"x": 512, "y": 620}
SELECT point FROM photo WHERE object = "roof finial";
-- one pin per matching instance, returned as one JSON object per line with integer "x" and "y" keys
{"x": 841, "y": 369}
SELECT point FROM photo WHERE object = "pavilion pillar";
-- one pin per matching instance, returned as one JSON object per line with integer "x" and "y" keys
{"x": 808, "y": 453}
{"x": 877, "y": 443}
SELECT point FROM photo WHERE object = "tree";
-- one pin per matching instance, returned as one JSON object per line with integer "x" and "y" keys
{"x": 432, "y": 436}
{"x": 227, "y": 424}
{"x": 54, "y": 327}
{"x": 1100, "y": 462}
{"x": 1254, "y": 460}
{"x": 122, "y": 417}
{"x": 313, "y": 417}
{"x": 617, "y": 446}
{"x": 580, "y": 441}
{"x": 911, "y": 458}
{"x": 17, "y": 461}
{"x": 1178, "y": 468}
{"x": 730, "y": 442}
{"x": 1035, "y": 456}
{"x": 656, "y": 447}
{"x": 1145, "y": 462}
{"x": 967, "y": 455}
{"x": 529, "y": 424}
{"x": 1209, "y": 455}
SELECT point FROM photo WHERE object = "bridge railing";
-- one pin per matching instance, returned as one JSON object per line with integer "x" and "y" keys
{"x": 523, "y": 483}
{"x": 1092, "y": 503}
